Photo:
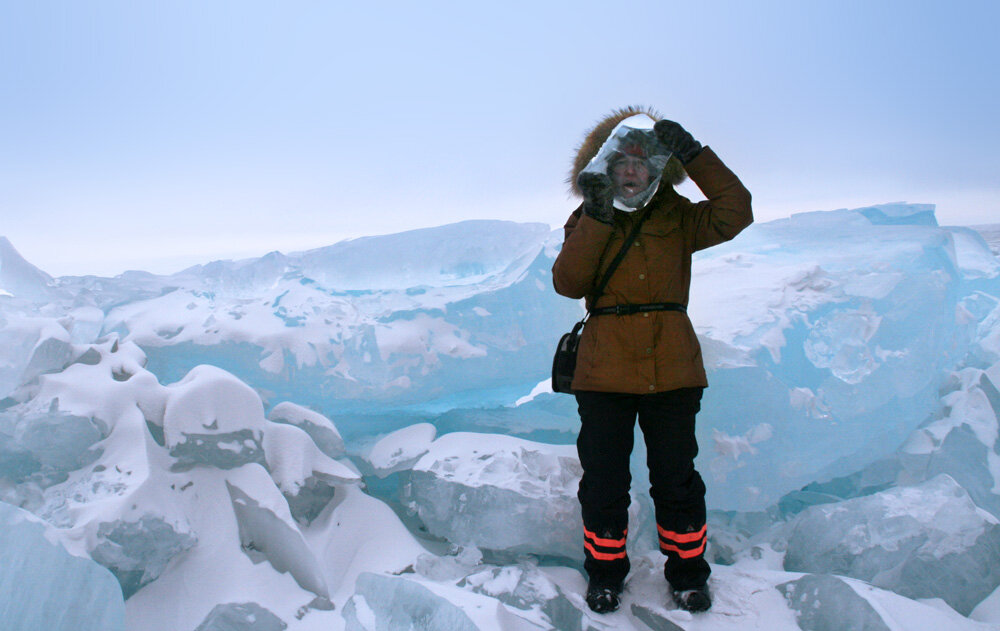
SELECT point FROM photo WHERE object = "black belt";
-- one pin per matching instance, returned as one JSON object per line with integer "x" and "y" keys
{"x": 621, "y": 310}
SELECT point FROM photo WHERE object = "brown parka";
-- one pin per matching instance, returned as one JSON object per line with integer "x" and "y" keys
{"x": 652, "y": 351}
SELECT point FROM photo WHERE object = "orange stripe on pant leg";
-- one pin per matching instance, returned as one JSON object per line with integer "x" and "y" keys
{"x": 608, "y": 543}
{"x": 684, "y": 554}
{"x": 603, "y": 556}
{"x": 677, "y": 537}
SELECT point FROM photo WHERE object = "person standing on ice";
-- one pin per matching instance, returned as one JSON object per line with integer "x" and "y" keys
{"x": 638, "y": 353}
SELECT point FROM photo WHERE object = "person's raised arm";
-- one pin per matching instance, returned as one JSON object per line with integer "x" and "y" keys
{"x": 587, "y": 231}
{"x": 727, "y": 210}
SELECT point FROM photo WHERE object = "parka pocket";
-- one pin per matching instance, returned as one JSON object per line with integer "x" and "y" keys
{"x": 679, "y": 341}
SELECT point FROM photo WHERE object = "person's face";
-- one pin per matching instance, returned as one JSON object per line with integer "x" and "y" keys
{"x": 630, "y": 176}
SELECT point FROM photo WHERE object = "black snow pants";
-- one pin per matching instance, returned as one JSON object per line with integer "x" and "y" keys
{"x": 667, "y": 421}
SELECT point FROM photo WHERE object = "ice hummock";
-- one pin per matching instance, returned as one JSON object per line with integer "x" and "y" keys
{"x": 823, "y": 344}
{"x": 843, "y": 319}
{"x": 923, "y": 541}
{"x": 959, "y": 440}
{"x": 93, "y": 450}
{"x": 398, "y": 319}
{"x": 861, "y": 363}
{"x": 499, "y": 493}
{"x": 836, "y": 332}
{"x": 20, "y": 279}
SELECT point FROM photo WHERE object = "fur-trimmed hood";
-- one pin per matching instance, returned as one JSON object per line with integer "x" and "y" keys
{"x": 673, "y": 173}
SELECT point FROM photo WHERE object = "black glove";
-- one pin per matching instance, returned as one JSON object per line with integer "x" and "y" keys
{"x": 597, "y": 196}
{"x": 677, "y": 140}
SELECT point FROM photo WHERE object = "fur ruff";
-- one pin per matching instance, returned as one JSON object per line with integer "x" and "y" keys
{"x": 673, "y": 173}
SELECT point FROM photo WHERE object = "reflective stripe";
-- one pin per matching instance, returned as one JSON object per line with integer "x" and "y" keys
{"x": 612, "y": 549}
{"x": 607, "y": 543}
{"x": 671, "y": 541}
{"x": 687, "y": 537}
{"x": 684, "y": 554}
{"x": 602, "y": 556}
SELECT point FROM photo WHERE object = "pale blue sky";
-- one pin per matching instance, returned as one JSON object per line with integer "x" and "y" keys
{"x": 158, "y": 134}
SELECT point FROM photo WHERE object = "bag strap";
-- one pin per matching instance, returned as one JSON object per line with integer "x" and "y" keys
{"x": 618, "y": 258}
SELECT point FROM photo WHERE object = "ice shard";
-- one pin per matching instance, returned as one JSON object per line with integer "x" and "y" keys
{"x": 42, "y": 586}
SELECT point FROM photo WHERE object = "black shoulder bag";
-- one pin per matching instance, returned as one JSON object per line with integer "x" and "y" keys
{"x": 564, "y": 362}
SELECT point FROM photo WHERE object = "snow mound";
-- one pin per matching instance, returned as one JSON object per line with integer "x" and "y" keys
{"x": 212, "y": 417}
{"x": 401, "y": 449}
{"x": 320, "y": 429}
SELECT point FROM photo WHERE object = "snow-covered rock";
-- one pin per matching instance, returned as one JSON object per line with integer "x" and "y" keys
{"x": 320, "y": 429}
{"x": 401, "y": 449}
{"x": 249, "y": 550}
{"x": 306, "y": 476}
{"x": 211, "y": 417}
{"x": 268, "y": 532}
{"x": 349, "y": 538}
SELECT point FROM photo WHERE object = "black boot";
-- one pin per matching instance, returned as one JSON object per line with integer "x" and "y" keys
{"x": 603, "y": 597}
{"x": 693, "y": 600}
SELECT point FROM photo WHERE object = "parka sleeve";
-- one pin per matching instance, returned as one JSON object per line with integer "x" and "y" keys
{"x": 727, "y": 210}
{"x": 574, "y": 274}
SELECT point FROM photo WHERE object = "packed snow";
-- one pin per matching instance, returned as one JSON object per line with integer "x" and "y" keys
{"x": 363, "y": 437}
